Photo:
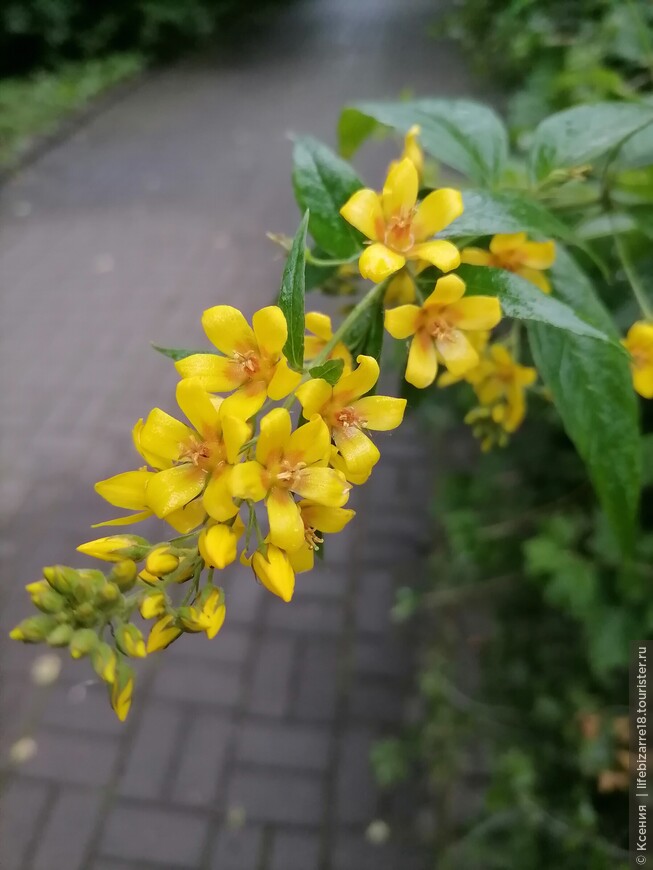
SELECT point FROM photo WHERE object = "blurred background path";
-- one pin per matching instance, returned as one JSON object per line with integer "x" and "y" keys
{"x": 250, "y": 752}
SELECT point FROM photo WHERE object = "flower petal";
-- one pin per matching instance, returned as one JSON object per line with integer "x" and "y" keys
{"x": 217, "y": 498}
{"x": 218, "y": 374}
{"x": 536, "y": 277}
{"x": 286, "y": 526}
{"x": 270, "y": 329}
{"x": 126, "y": 490}
{"x": 363, "y": 211}
{"x": 228, "y": 330}
{"x": 284, "y": 380}
{"x": 338, "y": 462}
{"x": 125, "y": 521}
{"x": 174, "y": 488}
{"x": 538, "y": 255}
{"x": 475, "y": 312}
{"x": 440, "y": 253}
{"x": 357, "y": 382}
{"x": 218, "y": 546}
{"x": 309, "y": 443}
{"x": 152, "y": 459}
{"x": 247, "y": 481}
{"x": 507, "y": 242}
{"x": 422, "y": 365}
{"x": 475, "y": 256}
{"x": 643, "y": 381}
{"x": 313, "y": 396}
{"x": 401, "y": 289}
{"x": 302, "y": 560}
{"x": 381, "y": 413}
{"x": 235, "y": 432}
{"x": 448, "y": 290}
{"x": 319, "y": 324}
{"x": 325, "y": 519}
{"x": 164, "y": 435}
{"x": 457, "y": 352}
{"x": 402, "y": 320}
{"x": 275, "y": 432}
{"x": 378, "y": 262}
{"x": 323, "y": 485}
{"x": 436, "y": 212}
{"x": 359, "y": 452}
{"x": 187, "y": 518}
{"x": 245, "y": 402}
{"x": 400, "y": 189}
{"x": 196, "y": 404}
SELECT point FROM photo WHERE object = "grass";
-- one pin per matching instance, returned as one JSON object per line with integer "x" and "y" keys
{"x": 34, "y": 106}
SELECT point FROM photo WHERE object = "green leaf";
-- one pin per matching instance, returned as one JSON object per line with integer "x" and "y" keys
{"x": 177, "y": 353}
{"x": 524, "y": 301}
{"x": 592, "y": 390}
{"x": 329, "y": 371}
{"x": 366, "y": 334}
{"x": 488, "y": 213}
{"x": 582, "y": 134}
{"x": 323, "y": 183}
{"x": 465, "y": 135}
{"x": 291, "y": 297}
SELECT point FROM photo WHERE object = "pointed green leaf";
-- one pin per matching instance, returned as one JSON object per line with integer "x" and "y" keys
{"x": 582, "y": 134}
{"x": 177, "y": 353}
{"x": 323, "y": 183}
{"x": 487, "y": 213}
{"x": 465, "y": 135}
{"x": 329, "y": 371}
{"x": 291, "y": 297}
{"x": 592, "y": 389}
{"x": 524, "y": 301}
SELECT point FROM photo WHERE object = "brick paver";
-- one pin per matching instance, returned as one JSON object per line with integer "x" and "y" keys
{"x": 249, "y": 752}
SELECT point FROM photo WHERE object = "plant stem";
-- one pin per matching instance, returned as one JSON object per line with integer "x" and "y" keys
{"x": 369, "y": 299}
{"x": 316, "y": 261}
{"x": 633, "y": 279}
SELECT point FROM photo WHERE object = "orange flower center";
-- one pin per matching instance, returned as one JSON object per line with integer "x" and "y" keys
{"x": 399, "y": 231}
{"x": 347, "y": 418}
{"x": 249, "y": 362}
{"x": 641, "y": 357}
{"x": 288, "y": 473}
{"x": 439, "y": 328}
{"x": 206, "y": 454}
{"x": 511, "y": 260}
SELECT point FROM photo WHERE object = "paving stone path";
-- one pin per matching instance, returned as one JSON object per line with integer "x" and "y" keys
{"x": 250, "y": 752}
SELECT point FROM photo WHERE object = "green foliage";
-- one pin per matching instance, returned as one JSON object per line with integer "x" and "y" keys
{"x": 291, "y": 297}
{"x": 323, "y": 183}
{"x": 177, "y": 353}
{"x": 34, "y": 106}
{"x": 330, "y": 371}
{"x": 507, "y": 211}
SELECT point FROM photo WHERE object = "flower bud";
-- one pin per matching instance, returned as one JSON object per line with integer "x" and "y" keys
{"x": 44, "y": 597}
{"x": 61, "y": 635}
{"x": 120, "y": 693}
{"x": 61, "y": 578}
{"x": 130, "y": 641}
{"x": 218, "y": 545}
{"x": 161, "y": 561}
{"x": 115, "y": 548}
{"x": 35, "y": 629}
{"x": 85, "y": 614}
{"x": 123, "y": 574}
{"x": 89, "y": 582}
{"x": 109, "y": 595}
{"x": 193, "y": 619}
{"x": 82, "y": 642}
{"x": 152, "y": 604}
{"x": 104, "y": 661}
{"x": 185, "y": 569}
{"x": 163, "y": 633}
{"x": 275, "y": 572}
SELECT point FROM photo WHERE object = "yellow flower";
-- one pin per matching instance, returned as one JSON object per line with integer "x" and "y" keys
{"x": 337, "y": 461}
{"x": 401, "y": 289}
{"x": 208, "y": 615}
{"x": 399, "y": 228}
{"x": 161, "y": 561}
{"x": 253, "y": 364}
{"x": 412, "y": 148}
{"x": 318, "y": 520}
{"x": 162, "y": 634}
{"x": 104, "y": 662}
{"x": 190, "y": 462}
{"x": 121, "y": 690}
{"x": 289, "y": 462}
{"x": 320, "y": 325}
{"x": 218, "y": 543}
{"x": 152, "y": 604}
{"x": 639, "y": 343}
{"x": 348, "y": 415}
{"x": 500, "y": 383}
{"x": 439, "y": 328}
{"x": 478, "y": 340}
{"x": 130, "y": 641}
{"x": 115, "y": 548}
{"x": 515, "y": 253}
{"x": 272, "y": 567}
